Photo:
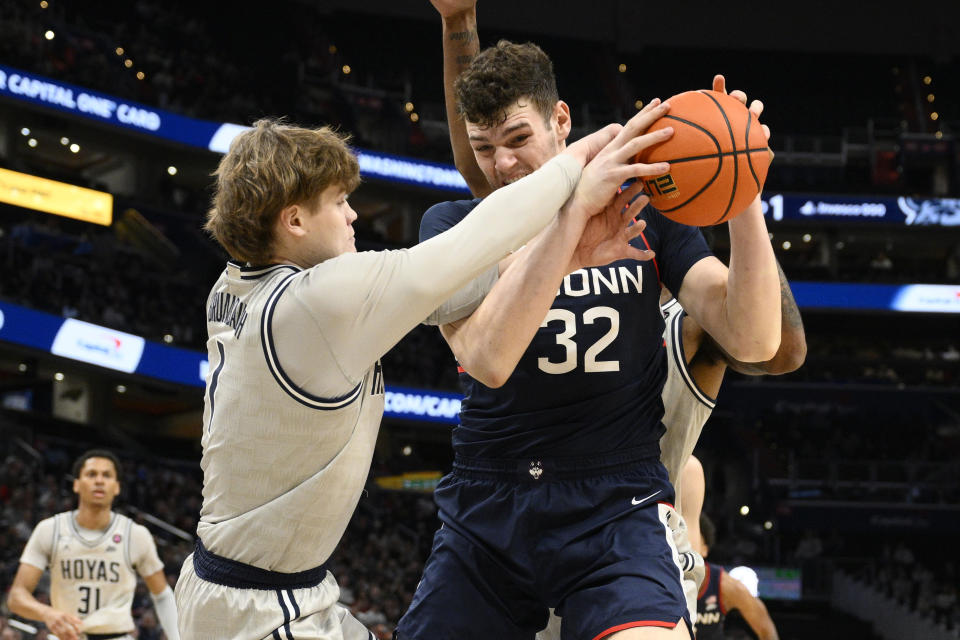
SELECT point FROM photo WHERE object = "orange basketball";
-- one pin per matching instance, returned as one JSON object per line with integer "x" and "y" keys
{"x": 718, "y": 159}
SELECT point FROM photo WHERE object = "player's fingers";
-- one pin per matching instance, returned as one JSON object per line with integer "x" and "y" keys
{"x": 653, "y": 104}
{"x": 639, "y": 170}
{"x": 641, "y": 255}
{"x": 739, "y": 95}
{"x": 756, "y": 108}
{"x": 632, "y": 147}
{"x": 641, "y": 122}
{"x": 719, "y": 83}
{"x": 766, "y": 131}
{"x": 626, "y": 196}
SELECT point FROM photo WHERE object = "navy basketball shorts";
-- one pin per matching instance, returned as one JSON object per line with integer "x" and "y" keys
{"x": 587, "y": 537}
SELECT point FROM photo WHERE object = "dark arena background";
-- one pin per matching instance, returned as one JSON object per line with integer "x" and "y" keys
{"x": 838, "y": 485}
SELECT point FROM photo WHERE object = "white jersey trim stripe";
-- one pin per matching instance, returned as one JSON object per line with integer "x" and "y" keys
{"x": 681, "y": 362}
{"x": 273, "y": 363}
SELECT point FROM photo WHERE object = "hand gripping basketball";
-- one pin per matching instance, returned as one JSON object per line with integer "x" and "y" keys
{"x": 718, "y": 157}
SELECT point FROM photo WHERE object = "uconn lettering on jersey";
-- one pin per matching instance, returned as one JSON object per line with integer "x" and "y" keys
{"x": 227, "y": 309}
{"x": 82, "y": 569}
{"x": 601, "y": 280}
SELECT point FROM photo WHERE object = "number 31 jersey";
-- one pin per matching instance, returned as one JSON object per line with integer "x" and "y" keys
{"x": 590, "y": 381}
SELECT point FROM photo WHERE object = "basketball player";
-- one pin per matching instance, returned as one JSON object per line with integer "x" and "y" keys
{"x": 94, "y": 556}
{"x": 557, "y": 497}
{"x": 295, "y": 392}
{"x": 721, "y": 593}
{"x": 695, "y": 368}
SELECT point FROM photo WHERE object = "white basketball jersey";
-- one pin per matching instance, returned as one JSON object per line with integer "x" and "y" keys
{"x": 93, "y": 579}
{"x": 686, "y": 407}
{"x": 283, "y": 469}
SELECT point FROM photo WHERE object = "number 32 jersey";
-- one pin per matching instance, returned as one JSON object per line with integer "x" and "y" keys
{"x": 591, "y": 378}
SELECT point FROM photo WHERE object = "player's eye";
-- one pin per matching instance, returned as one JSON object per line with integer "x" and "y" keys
{"x": 519, "y": 140}
{"x": 484, "y": 149}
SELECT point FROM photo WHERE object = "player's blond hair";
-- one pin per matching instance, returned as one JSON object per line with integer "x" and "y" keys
{"x": 268, "y": 168}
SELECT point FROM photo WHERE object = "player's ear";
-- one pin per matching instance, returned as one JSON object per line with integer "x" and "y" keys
{"x": 561, "y": 118}
{"x": 290, "y": 220}
{"x": 76, "y": 482}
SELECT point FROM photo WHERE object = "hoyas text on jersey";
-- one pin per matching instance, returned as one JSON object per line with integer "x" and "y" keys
{"x": 82, "y": 569}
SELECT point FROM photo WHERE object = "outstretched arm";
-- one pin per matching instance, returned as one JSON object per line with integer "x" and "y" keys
{"x": 460, "y": 45}
{"x": 739, "y": 306}
{"x": 733, "y": 595}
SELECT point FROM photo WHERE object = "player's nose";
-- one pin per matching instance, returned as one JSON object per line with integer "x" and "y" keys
{"x": 504, "y": 159}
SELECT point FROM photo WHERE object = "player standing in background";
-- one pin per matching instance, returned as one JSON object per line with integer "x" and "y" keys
{"x": 553, "y": 499}
{"x": 94, "y": 556}
{"x": 295, "y": 392}
{"x": 721, "y": 593}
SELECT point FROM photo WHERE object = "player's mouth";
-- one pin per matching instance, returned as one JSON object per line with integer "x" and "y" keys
{"x": 513, "y": 178}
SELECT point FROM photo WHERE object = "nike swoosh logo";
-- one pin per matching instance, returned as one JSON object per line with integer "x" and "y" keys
{"x": 636, "y": 502}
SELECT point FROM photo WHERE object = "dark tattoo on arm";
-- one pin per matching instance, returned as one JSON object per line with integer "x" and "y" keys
{"x": 464, "y": 60}
{"x": 465, "y": 36}
{"x": 788, "y": 306}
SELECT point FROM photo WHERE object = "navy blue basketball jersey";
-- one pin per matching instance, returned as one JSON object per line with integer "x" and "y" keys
{"x": 710, "y": 611}
{"x": 590, "y": 381}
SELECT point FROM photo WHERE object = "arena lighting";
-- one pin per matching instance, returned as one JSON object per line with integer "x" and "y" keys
{"x": 807, "y": 237}
{"x": 408, "y": 107}
{"x": 786, "y": 245}
{"x": 22, "y": 367}
{"x": 744, "y": 510}
{"x": 128, "y": 63}
{"x": 58, "y": 376}
{"x": 74, "y": 148}
{"x": 934, "y": 115}
{"x": 119, "y": 51}
{"x": 64, "y": 140}
{"x": 930, "y": 97}
{"x": 141, "y": 75}
{"x": 332, "y": 48}
{"x": 938, "y": 135}
{"x": 768, "y": 525}
{"x": 121, "y": 388}
{"x": 167, "y": 338}
{"x": 638, "y": 104}
{"x": 407, "y": 450}
{"x": 346, "y": 69}
{"x": 58, "y": 198}
{"x": 622, "y": 68}
{"x": 43, "y": 4}
{"x": 414, "y": 117}
{"x": 49, "y": 35}
{"x": 927, "y": 80}
{"x": 32, "y": 142}
{"x": 25, "y": 131}
{"x": 172, "y": 170}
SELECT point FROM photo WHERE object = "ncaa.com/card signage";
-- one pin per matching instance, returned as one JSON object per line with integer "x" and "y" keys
{"x": 119, "y": 351}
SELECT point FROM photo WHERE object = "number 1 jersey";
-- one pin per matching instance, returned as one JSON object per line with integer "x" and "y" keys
{"x": 590, "y": 380}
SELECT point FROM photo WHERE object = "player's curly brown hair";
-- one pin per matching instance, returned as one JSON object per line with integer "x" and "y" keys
{"x": 499, "y": 76}
{"x": 268, "y": 168}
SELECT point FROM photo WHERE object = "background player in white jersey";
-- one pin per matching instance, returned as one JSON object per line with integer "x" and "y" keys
{"x": 94, "y": 555}
{"x": 295, "y": 392}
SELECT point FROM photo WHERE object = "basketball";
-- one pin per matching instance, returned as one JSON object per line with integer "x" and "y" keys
{"x": 718, "y": 157}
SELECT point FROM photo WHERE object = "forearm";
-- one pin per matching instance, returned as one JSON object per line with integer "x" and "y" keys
{"x": 21, "y": 602}
{"x": 490, "y": 343}
{"x": 752, "y": 301}
{"x": 793, "y": 341}
{"x": 402, "y": 288}
{"x": 460, "y": 46}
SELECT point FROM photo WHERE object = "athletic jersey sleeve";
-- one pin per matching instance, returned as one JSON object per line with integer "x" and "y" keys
{"x": 143, "y": 551}
{"x": 680, "y": 248}
{"x": 436, "y": 220}
{"x": 40, "y": 545}
{"x": 364, "y": 303}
